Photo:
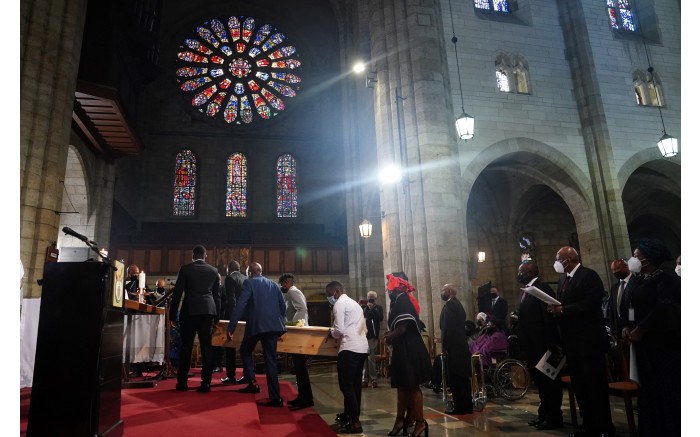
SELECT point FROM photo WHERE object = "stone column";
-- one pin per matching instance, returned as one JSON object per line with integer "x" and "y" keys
{"x": 430, "y": 230}
{"x": 51, "y": 39}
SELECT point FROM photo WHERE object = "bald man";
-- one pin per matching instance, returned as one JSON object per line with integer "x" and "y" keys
{"x": 584, "y": 340}
{"x": 262, "y": 302}
{"x": 456, "y": 350}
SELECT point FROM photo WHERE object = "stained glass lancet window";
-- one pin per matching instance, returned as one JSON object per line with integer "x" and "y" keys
{"x": 620, "y": 15}
{"x": 238, "y": 70}
{"x": 236, "y": 185}
{"x": 492, "y": 5}
{"x": 185, "y": 184}
{"x": 286, "y": 186}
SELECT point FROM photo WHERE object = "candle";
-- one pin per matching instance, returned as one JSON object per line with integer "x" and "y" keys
{"x": 142, "y": 280}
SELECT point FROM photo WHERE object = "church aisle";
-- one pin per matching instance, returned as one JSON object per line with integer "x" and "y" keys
{"x": 498, "y": 418}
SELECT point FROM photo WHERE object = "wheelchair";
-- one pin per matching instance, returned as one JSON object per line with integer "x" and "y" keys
{"x": 505, "y": 377}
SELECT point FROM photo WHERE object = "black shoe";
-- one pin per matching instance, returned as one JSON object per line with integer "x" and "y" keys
{"x": 217, "y": 369}
{"x": 277, "y": 403}
{"x": 301, "y": 404}
{"x": 349, "y": 429}
{"x": 228, "y": 380}
{"x": 535, "y": 422}
{"x": 342, "y": 418}
{"x": 578, "y": 433}
{"x": 545, "y": 425}
{"x": 244, "y": 380}
{"x": 181, "y": 387}
{"x": 204, "y": 388}
{"x": 250, "y": 388}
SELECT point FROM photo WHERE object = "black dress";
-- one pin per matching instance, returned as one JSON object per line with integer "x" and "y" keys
{"x": 410, "y": 362}
{"x": 656, "y": 301}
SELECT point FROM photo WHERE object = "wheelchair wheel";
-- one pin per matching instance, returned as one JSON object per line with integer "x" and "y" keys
{"x": 479, "y": 403}
{"x": 511, "y": 379}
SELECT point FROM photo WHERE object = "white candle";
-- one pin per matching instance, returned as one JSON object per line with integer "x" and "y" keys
{"x": 142, "y": 280}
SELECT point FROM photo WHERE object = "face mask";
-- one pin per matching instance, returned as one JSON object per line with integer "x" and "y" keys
{"x": 331, "y": 300}
{"x": 160, "y": 289}
{"x": 444, "y": 297}
{"x": 619, "y": 275}
{"x": 371, "y": 300}
{"x": 392, "y": 296}
{"x": 521, "y": 279}
{"x": 635, "y": 265}
{"x": 678, "y": 271}
{"x": 559, "y": 267}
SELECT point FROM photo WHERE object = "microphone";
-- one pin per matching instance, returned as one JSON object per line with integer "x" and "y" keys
{"x": 80, "y": 237}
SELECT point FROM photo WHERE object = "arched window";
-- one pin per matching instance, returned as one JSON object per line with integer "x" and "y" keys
{"x": 647, "y": 88}
{"x": 185, "y": 184}
{"x": 502, "y": 81}
{"x": 492, "y": 5}
{"x": 521, "y": 77}
{"x": 620, "y": 15}
{"x": 236, "y": 185}
{"x": 286, "y": 186}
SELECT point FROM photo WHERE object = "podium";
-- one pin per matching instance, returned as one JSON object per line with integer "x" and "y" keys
{"x": 77, "y": 371}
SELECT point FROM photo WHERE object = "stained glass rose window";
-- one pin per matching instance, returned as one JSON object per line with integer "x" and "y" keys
{"x": 241, "y": 71}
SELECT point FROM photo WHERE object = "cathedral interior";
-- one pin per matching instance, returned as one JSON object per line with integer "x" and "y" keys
{"x": 151, "y": 126}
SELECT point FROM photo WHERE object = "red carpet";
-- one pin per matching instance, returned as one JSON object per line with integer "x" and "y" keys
{"x": 163, "y": 411}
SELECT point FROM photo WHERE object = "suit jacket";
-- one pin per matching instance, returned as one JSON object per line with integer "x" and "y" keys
{"x": 454, "y": 337}
{"x": 234, "y": 286}
{"x": 372, "y": 318}
{"x": 197, "y": 287}
{"x": 618, "y": 320}
{"x": 581, "y": 323}
{"x": 262, "y": 301}
{"x": 500, "y": 311}
{"x": 537, "y": 329}
{"x": 296, "y": 306}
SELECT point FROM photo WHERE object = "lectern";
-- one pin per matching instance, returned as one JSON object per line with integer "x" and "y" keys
{"x": 77, "y": 370}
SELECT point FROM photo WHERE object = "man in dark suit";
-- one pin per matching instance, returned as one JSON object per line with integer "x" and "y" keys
{"x": 197, "y": 287}
{"x": 234, "y": 286}
{"x": 537, "y": 332}
{"x": 261, "y": 300}
{"x": 456, "y": 350}
{"x": 618, "y": 305}
{"x": 499, "y": 308}
{"x": 584, "y": 339}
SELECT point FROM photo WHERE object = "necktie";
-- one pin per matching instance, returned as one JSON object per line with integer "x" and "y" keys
{"x": 620, "y": 291}
{"x": 564, "y": 285}
{"x": 493, "y": 302}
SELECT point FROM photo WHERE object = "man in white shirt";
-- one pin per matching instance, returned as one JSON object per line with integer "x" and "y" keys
{"x": 350, "y": 328}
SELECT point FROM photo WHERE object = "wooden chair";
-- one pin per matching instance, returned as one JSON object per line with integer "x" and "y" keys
{"x": 624, "y": 388}
{"x": 382, "y": 358}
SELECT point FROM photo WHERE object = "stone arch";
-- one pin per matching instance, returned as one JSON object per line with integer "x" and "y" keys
{"x": 502, "y": 183}
{"x": 77, "y": 209}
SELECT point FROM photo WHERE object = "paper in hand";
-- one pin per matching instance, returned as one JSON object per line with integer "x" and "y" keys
{"x": 541, "y": 295}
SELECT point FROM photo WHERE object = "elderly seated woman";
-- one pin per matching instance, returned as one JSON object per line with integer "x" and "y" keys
{"x": 491, "y": 341}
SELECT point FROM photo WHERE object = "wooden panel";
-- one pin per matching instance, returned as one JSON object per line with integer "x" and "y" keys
{"x": 244, "y": 258}
{"x": 306, "y": 261}
{"x": 258, "y": 256}
{"x": 290, "y": 264}
{"x": 174, "y": 261}
{"x": 138, "y": 257}
{"x": 321, "y": 262}
{"x": 123, "y": 254}
{"x": 155, "y": 261}
{"x": 336, "y": 261}
{"x": 274, "y": 261}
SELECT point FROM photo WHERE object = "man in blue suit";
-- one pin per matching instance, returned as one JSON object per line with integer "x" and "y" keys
{"x": 262, "y": 303}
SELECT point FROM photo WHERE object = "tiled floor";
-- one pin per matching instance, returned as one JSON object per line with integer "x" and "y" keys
{"x": 498, "y": 417}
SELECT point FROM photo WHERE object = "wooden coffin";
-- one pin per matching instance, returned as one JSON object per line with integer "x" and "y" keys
{"x": 306, "y": 340}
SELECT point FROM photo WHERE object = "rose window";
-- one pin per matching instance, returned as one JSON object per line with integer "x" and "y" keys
{"x": 239, "y": 72}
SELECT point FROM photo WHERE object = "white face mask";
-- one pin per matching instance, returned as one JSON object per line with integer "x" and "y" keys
{"x": 678, "y": 270}
{"x": 635, "y": 265}
{"x": 559, "y": 267}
